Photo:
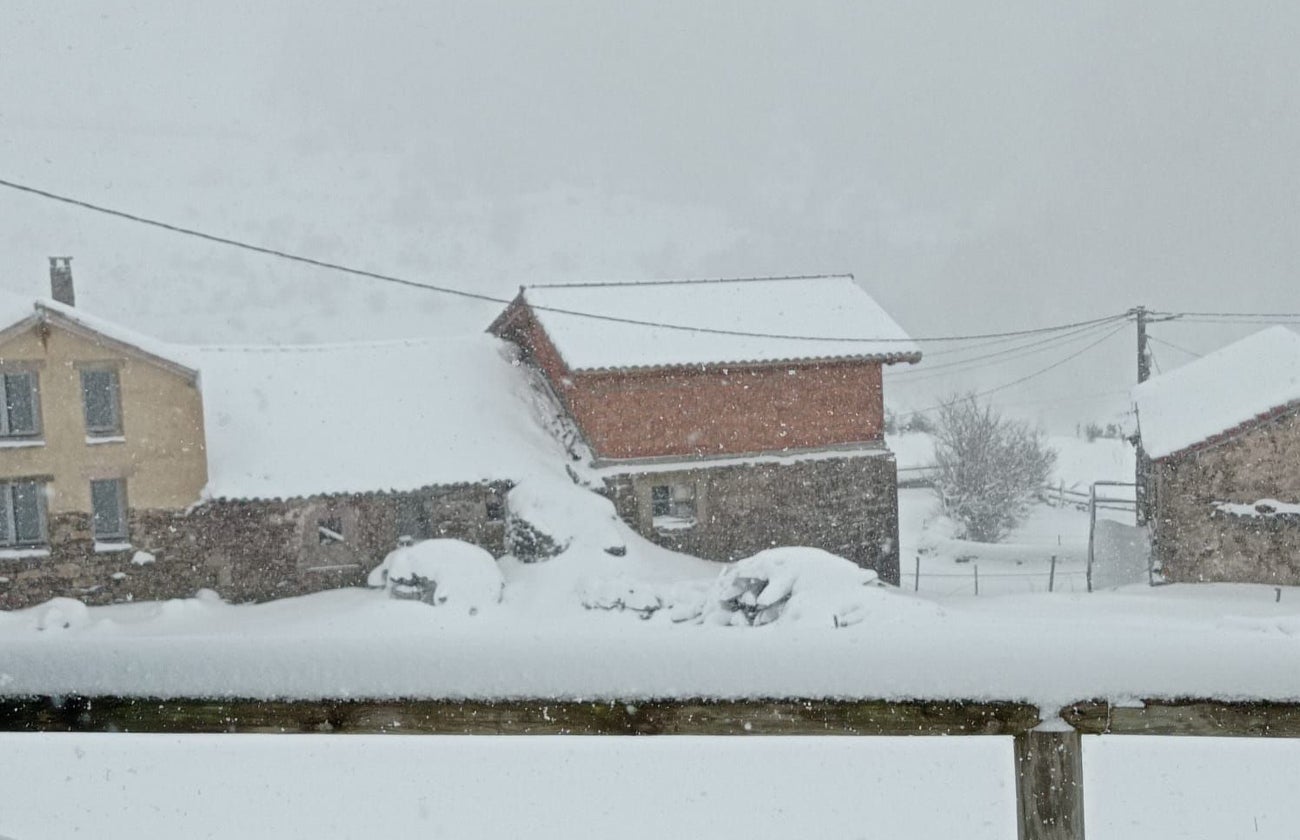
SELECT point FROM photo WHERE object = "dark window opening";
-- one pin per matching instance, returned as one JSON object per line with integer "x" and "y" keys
{"x": 329, "y": 530}
{"x": 413, "y": 519}
{"x": 673, "y": 505}
{"x": 496, "y": 506}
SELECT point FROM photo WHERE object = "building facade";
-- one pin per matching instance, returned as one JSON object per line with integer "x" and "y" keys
{"x": 742, "y": 441}
{"x": 1223, "y": 433}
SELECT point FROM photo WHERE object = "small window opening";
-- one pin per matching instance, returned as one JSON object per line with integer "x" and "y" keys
{"x": 22, "y": 514}
{"x": 18, "y": 397}
{"x": 673, "y": 505}
{"x": 495, "y": 506}
{"x": 100, "y": 400}
{"x": 329, "y": 530}
{"x": 108, "y": 503}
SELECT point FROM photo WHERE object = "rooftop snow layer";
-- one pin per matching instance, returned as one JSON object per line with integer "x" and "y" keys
{"x": 175, "y": 353}
{"x": 1219, "y": 392}
{"x": 297, "y": 421}
{"x": 829, "y": 317}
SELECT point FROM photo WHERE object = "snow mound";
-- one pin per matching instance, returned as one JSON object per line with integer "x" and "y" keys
{"x": 61, "y": 614}
{"x": 548, "y": 516}
{"x": 441, "y": 572}
{"x": 793, "y": 584}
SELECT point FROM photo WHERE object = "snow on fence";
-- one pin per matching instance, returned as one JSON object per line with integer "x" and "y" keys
{"x": 1047, "y": 746}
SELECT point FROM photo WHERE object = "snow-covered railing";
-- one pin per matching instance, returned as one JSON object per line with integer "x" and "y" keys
{"x": 1047, "y": 748}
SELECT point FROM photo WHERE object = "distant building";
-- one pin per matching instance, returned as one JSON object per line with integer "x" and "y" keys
{"x": 1223, "y": 434}
{"x": 755, "y": 420}
{"x": 132, "y": 468}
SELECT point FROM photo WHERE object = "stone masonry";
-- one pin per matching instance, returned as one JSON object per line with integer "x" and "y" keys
{"x": 1196, "y": 542}
{"x": 846, "y": 505}
{"x": 248, "y": 550}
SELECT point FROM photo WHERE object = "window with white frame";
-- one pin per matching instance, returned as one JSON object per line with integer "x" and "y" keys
{"x": 673, "y": 505}
{"x": 108, "y": 502}
{"x": 22, "y": 513}
{"x": 21, "y": 415}
{"x": 100, "y": 396}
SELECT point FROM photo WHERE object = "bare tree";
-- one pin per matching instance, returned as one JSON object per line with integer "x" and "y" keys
{"x": 989, "y": 467}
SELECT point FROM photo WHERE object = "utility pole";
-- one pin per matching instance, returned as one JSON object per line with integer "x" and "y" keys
{"x": 1143, "y": 476}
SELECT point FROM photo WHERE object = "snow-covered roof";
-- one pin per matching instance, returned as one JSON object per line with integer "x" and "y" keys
{"x": 164, "y": 351}
{"x": 826, "y": 317}
{"x": 1215, "y": 395}
{"x": 16, "y": 311}
{"x": 283, "y": 422}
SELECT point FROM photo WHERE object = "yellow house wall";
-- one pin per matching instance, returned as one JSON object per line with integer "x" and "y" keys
{"x": 162, "y": 457}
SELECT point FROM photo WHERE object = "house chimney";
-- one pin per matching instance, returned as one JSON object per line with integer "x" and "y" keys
{"x": 61, "y": 281}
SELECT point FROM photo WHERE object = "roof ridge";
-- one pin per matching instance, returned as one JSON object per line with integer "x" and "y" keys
{"x": 689, "y": 281}
{"x": 329, "y": 346}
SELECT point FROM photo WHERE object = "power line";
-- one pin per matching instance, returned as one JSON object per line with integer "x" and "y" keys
{"x": 1004, "y": 386}
{"x": 463, "y": 293}
{"x": 924, "y": 372}
{"x": 1173, "y": 346}
{"x": 1236, "y": 314}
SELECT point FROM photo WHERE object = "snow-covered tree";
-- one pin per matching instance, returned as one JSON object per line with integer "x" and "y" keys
{"x": 989, "y": 467}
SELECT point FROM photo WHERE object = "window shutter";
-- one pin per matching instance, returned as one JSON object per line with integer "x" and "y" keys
{"x": 106, "y": 500}
{"x": 99, "y": 395}
{"x": 6, "y": 509}
{"x": 20, "y": 403}
{"x": 29, "y": 523}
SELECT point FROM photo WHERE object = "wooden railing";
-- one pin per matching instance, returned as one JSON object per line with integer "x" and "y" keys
{"x": 1048, "y": 754}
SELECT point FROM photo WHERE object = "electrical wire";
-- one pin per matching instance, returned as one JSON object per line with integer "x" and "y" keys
{"x": 1004, "y": 386}
{"x": 923, "y": 372}
{"x": 464, "y": 293}
{"x": 1173, "y": 346}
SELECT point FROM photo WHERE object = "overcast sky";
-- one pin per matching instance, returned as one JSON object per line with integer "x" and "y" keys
{"x": 976, "y": 166}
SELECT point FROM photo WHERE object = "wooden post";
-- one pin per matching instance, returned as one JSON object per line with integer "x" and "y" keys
{"x": 977, "y": 578}
{"x": 1051, "y": 576}
{"x": 916, "y": 584}
{"x": 1049, "y": 785}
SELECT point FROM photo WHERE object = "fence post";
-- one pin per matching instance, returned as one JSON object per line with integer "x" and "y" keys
{"x": 1051, "y": 576}
{"x": 977, "y": 578}
{"x": 916, "y": 583}
{"x": 1049, "y": 785}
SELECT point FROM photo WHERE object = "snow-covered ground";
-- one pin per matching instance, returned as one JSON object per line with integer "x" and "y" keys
{"x": 1022, "y": 562}
{"x": 125, "y": 787}
{"x": 1158, "y": 788}
{"x": 1229, "y": 641}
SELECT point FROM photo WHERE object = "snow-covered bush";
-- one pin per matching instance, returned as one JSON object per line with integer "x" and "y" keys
{"x": 680, "y": 601}
{"x": 442, "y": 573}
{"x": 792, "y": 584}
{"x": 545, "y": 517}
{"x": 988, "y": 467}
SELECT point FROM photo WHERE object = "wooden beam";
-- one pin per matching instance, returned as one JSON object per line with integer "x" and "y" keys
{"x": 1191, "y": 717}
{"x": 1049, "y": 785}
{"x": 517, "y": 717}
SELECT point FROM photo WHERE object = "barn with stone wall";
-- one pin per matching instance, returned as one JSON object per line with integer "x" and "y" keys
{"x": 727, "y": 417}
{"x": 1223, "y": 433}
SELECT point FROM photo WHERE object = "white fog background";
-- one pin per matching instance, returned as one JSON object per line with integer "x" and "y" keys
{"x": 978, "y": 167}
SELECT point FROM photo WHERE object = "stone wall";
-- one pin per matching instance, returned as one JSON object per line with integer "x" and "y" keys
{"x": 1195, "y": 542}
{"x": 846, "y": 505}
{"x": 247, "y": 550}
